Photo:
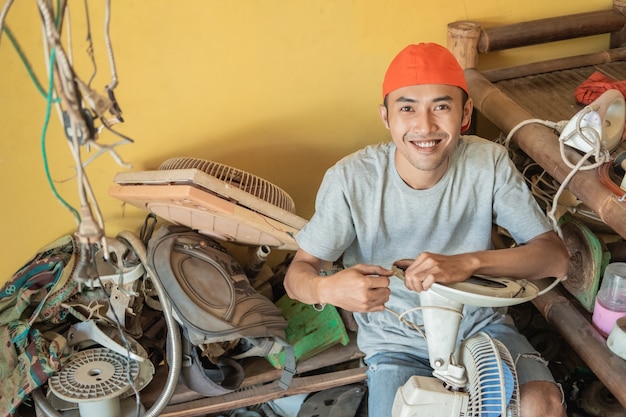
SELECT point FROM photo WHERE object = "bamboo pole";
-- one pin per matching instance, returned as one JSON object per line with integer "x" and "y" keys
{"x": 534, "y": 68}
{"x": 534, "y": 32}
{"x": 618, "y": 37}
{"x": 542, "y": 145}
{"x": 463, "y": 41}
{"x": 584, "y": 340}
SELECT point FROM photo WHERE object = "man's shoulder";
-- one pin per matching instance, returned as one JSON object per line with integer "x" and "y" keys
{"x": 473, "y": 140}
{"x": 371, "y": 155}
{"x": 476, "y": 145}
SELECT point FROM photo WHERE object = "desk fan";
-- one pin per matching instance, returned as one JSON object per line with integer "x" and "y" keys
{"x": 478, "y": 378}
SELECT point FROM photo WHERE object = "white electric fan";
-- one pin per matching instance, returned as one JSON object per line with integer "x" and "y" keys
{"x": 478, "y": 378}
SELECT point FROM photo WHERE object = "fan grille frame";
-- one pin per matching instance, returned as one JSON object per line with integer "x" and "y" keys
{"x": 234, "y": 177}
{"x": 484, "y": 359}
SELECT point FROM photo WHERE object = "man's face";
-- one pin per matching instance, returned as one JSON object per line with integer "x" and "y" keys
{"x": 425, "y": 124}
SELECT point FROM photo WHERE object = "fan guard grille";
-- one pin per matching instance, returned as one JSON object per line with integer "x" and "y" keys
{"x": 490, "y": 385}
{"x": 237, "y": 178}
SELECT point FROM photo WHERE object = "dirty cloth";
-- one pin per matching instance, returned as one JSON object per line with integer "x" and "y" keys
{"x": 30, "y": 307}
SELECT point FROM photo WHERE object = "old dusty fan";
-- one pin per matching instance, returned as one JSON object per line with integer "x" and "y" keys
{"x": 215, "y": 199}
{"x": 478, "y": 378}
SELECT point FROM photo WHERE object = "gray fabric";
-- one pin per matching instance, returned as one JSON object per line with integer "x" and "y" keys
{"x": 205, "y": 377}
{"x": 367, "y": 213}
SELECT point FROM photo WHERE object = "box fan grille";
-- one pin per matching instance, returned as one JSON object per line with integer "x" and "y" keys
{"x": 245, "y": 181}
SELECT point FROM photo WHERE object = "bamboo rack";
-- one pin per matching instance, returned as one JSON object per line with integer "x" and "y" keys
{"x": 538, "y": 142}
{"x": 466, "y": 40}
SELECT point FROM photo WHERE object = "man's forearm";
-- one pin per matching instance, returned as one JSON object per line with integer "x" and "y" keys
{"x": 544, "y": 256}
{"x": 302, "y": 281}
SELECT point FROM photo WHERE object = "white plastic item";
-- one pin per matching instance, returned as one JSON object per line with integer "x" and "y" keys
{"x": 602, "y": 120}
{"x": 95, "y": 379}
{"x": 426, "y": 396}
{"x": 486, "y": 291}
{"x": 617, "y": 338}
{"x": 442, "y": 317}
{"x": 492, "y": 389}
{"x": 610, "y": 302}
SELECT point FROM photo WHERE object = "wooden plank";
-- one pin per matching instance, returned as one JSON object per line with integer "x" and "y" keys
{"x": 260, "y": 371}
{"x": 265, "y": 393}
{"x": 257, "y": 370}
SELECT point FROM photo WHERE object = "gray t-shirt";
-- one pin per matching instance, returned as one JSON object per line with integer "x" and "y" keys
{"x": 368, "y": 214}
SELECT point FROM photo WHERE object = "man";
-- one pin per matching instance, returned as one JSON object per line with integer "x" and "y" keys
{"x": 432, "y": 196}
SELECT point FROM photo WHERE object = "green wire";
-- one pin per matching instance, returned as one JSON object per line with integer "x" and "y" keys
{"x": 43, "y": 141}
{"x": 31, "y": 73}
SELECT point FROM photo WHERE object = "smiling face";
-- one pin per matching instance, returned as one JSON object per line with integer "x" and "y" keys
{"x": 425, "y": 124}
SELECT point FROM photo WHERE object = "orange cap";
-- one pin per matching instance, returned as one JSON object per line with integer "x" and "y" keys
{"x": 424, "y": 63}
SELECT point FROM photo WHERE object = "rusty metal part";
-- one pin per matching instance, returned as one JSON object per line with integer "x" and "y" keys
{"x": 586, "y": 262}
{"x": 598, "y": 401}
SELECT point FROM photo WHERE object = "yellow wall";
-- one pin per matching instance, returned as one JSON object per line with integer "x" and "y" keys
{"x": 281, "y": 89}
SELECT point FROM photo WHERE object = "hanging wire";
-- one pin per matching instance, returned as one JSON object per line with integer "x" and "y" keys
{"x": 109, "y": 46}
{"x": 90, "y": 49}
{"x": 3, "y": 15}
{"x": 43, "y": 141}
{"x": 75, "y": 103}
{"x": 25, "y": 61}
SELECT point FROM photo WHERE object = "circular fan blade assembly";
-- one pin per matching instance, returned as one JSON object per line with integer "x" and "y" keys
{"x": 215, "y": 199}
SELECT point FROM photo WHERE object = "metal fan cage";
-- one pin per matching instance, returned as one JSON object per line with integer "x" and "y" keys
{"x": 484, "y": 359}
{"x": 237, "y": 178}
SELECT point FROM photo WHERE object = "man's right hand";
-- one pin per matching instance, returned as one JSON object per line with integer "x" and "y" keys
{"x": 361, "y": 288}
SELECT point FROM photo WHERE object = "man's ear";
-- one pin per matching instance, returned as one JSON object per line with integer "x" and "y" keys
{"x": 467, "y": 115}
{"x": 382, "y": 111}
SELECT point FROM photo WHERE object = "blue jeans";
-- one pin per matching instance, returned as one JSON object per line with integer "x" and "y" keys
{"x": 387, "y": 371}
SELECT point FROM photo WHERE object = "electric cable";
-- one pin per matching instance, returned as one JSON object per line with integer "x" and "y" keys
{"x": 523, "y": 123}
{"x": 592, "y": 138}
{"x": 118, "y": 324}
{"x": 414, "y": 326}
{"x": 588, "y": 135}
{"x": 90, "y": 48}
{"x": 68, "y": 31}
{"x": 25, "y": 61}
{"x": 64, "y": 93}
{"x": 174, "y": 352}
{"x": 109, "y": 47}
{"x": 3, "y": 15}
{"x": 43, "y": 143}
